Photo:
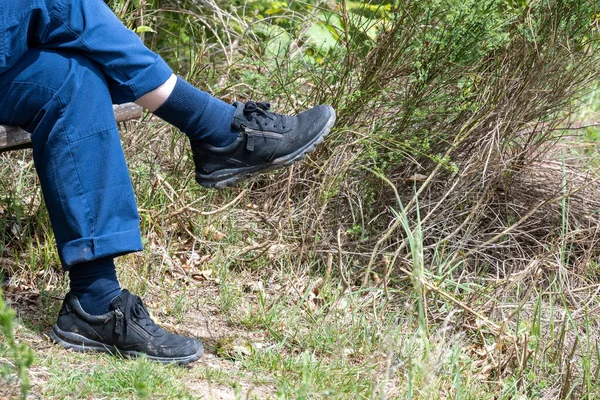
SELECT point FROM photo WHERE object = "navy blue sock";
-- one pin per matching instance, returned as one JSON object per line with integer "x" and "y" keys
{"x": 95, "y": 284}
{"x": 199, "y": 115}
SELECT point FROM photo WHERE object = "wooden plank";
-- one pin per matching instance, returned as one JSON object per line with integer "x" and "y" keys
{"x": 12, "y": 138}
{"x": 127, "y": 111}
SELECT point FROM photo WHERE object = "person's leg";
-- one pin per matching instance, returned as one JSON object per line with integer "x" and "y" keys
{"x": 89, "y": 28}
{"x": 134, "y": 73}
{"x": 229, "y": 143}
{"x": 48, "y": 103}
{"x": 156, "y": 98}
{"x": 62, "y": 98}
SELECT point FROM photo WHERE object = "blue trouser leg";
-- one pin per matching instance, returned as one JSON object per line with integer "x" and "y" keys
{"x": 62, "y": 64}
{"x": 64, "y": 100}
{"x": 89, "y": 28}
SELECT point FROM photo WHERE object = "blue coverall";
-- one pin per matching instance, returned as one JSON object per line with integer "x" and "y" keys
{"x": 63, "y": 63}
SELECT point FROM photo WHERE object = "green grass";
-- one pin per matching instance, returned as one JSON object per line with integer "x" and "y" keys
{"x": 341, "y": 345}
{"x": 115, "y": 379}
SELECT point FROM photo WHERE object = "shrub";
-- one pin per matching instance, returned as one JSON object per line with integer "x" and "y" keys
{"x": 459, "y": 102}
{"x": 20, "y": 357}
{"x": 456, "y": 101}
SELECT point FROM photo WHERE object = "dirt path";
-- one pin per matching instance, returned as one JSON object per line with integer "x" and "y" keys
{"x": 216, "y": 376}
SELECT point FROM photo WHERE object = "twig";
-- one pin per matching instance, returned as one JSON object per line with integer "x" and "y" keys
{"x": 164, "y": 183}
{"x": 386, "y": 274}
{"x": 248, "y": 249}
{"x": 218, "y": 210}
{"x": 340, "y": 264}
{"x": 184, "y": 208}
{"x": 567, "y": 383}
{"x": 288, "y": 199}
{"x": 485, "y": 320}
{"x": 576, "y": 127}
{"x": 226, "y": 206}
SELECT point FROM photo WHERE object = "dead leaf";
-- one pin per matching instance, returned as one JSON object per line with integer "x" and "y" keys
{"x": 204, "y": 275}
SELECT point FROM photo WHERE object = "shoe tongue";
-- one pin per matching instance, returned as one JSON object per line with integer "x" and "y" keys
{"x": 238, "y": 117}
{"x": 119, "y": 302}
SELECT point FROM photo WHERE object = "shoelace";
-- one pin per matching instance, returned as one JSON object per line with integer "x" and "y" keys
{"x": 259, "y": 112}
{"x": 135, "y": 306}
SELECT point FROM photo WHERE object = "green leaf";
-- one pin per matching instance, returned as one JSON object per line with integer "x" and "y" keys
{"x": 144, "y": 28}
{"x": 320, "y": 37}
{"x": 278, "y": 39}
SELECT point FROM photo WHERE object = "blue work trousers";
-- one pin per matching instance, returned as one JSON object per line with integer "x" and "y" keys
{"x": 63, "y": 63}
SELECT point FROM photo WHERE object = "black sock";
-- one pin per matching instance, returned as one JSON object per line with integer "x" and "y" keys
{"x": 199, "y": 115}
{"x": 95, "y": 284}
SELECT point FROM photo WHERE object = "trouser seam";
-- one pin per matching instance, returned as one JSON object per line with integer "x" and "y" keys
{"x": 99, "y": 132}
{"x": 84, "y": 44}
{"x": 35, "y": 84}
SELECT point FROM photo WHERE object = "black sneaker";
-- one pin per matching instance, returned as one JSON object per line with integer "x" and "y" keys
{"x": 266, "y": 141}
{"x": 126, "y": 329}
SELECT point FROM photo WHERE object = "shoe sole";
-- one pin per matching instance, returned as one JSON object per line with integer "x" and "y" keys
{"x": 221, "y": 180}
{"x": 76, "y": 342}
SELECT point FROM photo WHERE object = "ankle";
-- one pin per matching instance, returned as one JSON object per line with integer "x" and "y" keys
{"x": 95, "y": 284}
{"x": 200, "y": 116}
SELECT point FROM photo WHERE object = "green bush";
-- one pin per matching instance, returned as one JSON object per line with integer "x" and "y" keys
{"x": 469, "y": 93}
{"x": 20, "y": 357}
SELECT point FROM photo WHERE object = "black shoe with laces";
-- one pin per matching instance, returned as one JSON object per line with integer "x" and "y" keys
{"x": 266, "y": 141}
{"x": 126, "y": 330}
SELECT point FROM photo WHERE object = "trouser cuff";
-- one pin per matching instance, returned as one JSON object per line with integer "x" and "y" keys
{"x": 144, "y": 81}
{"x": 92, "y": 248}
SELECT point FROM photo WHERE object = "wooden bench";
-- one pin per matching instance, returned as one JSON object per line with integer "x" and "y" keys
{"x": 13, "y": 138}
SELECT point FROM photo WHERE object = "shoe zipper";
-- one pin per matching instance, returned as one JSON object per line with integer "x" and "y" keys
{"x": 119, "y": 321}
{"x": 274, "y": 135}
